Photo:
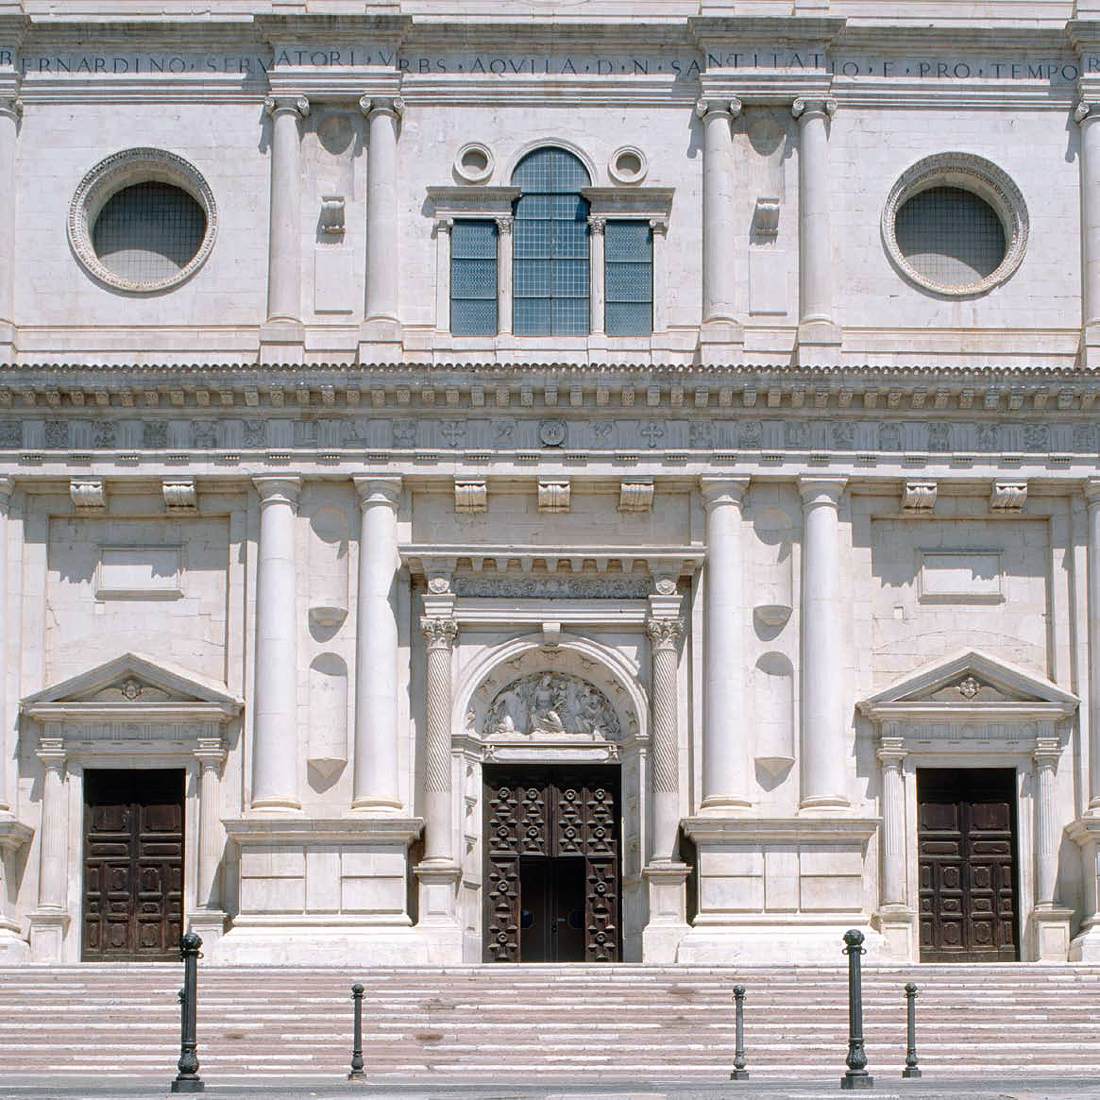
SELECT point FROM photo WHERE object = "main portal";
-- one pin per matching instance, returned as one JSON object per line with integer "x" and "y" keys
{"x": 552, "y": 864}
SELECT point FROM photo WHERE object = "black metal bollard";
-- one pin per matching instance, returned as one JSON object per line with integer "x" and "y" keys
{"x": 857, "y": 1076}
{"x": 188, "y": 1080}
{"x": 357, "y": 1073}
{"x": 739, "y": 1071}
{"x": 911, "y": 1067}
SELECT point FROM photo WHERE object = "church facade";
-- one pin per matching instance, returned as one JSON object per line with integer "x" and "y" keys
{"x": 503, "y": 484}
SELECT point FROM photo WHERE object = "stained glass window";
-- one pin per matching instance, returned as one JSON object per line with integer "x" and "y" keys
{"x": 550, "y": 268}
{"x": 474, "y": 278}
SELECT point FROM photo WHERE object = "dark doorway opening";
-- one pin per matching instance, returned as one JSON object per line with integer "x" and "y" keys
{"x": 133, "y": 864}
{"x": 552, "y": 864}
{"x": 966, "y": 836}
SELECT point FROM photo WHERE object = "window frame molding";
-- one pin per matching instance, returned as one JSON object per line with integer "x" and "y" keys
{"x": 967, "y": 172}
{"x": 495, "y": 203}
{"x": 115, "y": 173}
{"x": 472, "y": 203}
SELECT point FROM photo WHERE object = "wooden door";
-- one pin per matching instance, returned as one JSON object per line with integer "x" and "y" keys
{"x": 966, "y": 833}
{"x": 552, "y": 851}
{"x": 133, "y": 864}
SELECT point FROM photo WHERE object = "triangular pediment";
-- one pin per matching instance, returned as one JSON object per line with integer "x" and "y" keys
{"x": 133, "y": 679}
{"x": 973, "y": 679}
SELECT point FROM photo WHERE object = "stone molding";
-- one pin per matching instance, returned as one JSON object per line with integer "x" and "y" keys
{"x": 970, "y": 173}
{"x": 122, "y": 169}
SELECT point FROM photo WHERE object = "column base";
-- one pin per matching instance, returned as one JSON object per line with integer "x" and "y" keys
{"x": 1089, "y": 353}
{"x": 1049, "y": 934}
{"x": 668, "y": 924}
{"x": 819, "y": 343}
{"x": 47, "y": 935}
{"x": 438, "y": 892}
{"x": 897, "y": 925}
{"x": 380, "y": 341}
{"x": 210, "y": 925}
{"x": 720, "y": 342}
{"x": 777, "y": 890}
{"x": 282, "y": 343}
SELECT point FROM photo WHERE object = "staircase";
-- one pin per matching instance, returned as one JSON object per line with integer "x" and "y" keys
{"x": 516, "y": 1023}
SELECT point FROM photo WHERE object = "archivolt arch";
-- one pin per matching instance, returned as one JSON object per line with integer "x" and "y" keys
{"x": 610, "y": 672}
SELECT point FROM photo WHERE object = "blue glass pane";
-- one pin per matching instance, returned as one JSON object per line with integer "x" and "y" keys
{"x": 570, "y": 239}
{"x": 626, "y": 241}
{"x": 535, "y": 206}
{"x": 474, "y": 279}
{"x": 629, "y": 283}
{"x": 570, "y": 316}
{"x": 532, "y": 240}
{"x": 569, "y": 278}
{"x": 532, "y": 317}
{"x": 531, "y": 278}
{"x": 550, "y": 170}
{"x": 474, "y": 318}
{"x": 474, "y": 240}
{"x": 629, "y": 318}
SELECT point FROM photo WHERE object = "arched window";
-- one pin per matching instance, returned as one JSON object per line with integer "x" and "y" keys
{"x": 550, "y": 258}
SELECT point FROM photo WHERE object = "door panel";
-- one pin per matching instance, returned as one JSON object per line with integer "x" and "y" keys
{"x": 552, "y": 864}
{"x": 966, "y": 825}
{"x": 133, "y": 864}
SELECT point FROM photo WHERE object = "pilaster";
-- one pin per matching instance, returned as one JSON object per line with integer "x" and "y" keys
{"x": 49, "y": 922}
{"x": 11, "y": 110}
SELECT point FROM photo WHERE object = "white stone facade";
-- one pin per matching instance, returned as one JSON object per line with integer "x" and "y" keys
{"x": 275, "y": 525}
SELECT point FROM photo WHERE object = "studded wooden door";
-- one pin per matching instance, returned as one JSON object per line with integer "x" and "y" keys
{"x": 133, "y": 864}
{"x": 966, "y": 833}
{"x": 564, "y": 821}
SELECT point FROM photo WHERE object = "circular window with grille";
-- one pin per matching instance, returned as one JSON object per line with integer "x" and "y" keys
{"x": 955, "y": 225}
{"x": 142, "y": 220}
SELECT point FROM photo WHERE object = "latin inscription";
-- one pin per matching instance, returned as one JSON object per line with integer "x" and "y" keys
{"x": 687, "y": 66}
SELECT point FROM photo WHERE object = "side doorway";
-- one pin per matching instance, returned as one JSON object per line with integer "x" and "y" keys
{"x": 553, "y": 876}
{"x": 133, "y": 864}
{"x": 969, "y": 877}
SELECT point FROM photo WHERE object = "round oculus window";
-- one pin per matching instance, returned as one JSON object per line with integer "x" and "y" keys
{"x": 142, "y": 221}
{"x": 628, "y": 165}
{"x": 474, "y": 163}
{"x": 955, "y": 225}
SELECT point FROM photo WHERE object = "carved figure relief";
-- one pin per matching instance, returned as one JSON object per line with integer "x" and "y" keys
{"x": 552, "y": 703}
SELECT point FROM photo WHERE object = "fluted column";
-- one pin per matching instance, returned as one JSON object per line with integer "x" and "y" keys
{"x": 1047, "y": 833}
{"x": 439, "y": 634}
{"x": 210, "y": 755}
{"x": 7, "y": 486}
{"x": 284, "y": 271}
{"x": 275, "y": 729}
{"x": 10, "y": 109}
{"x": 596, "y": 275}
{"x": 725, "y": 755}
{"x": 504, "y": 274}
{"x": 375, "y": 784}
{"x": 53, "y": 866}
{"x": 1092, "y": 497}
{"x": 816, "y": 325}
{"x": 1088, "y": 116}
{"x": 663, "y": 637}
{"x": 824, "y": 746}
{"x": 719, "y": 271}
{"x": 891, "y": 756}
{"x": 383, "y": 268}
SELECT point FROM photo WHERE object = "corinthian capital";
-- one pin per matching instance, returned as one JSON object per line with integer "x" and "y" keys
{"x": 664, "y": 633}
{"x": 439, "y": 632}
